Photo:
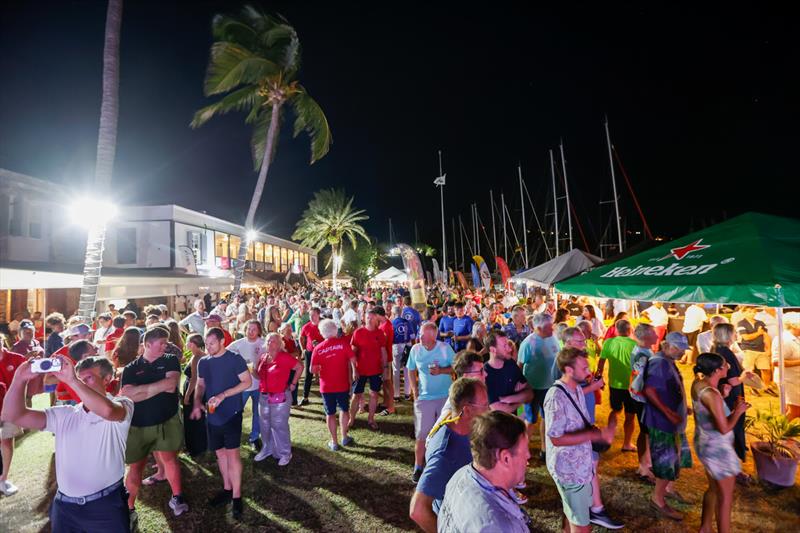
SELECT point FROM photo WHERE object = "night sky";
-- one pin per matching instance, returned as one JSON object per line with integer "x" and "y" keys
{"x": 703, "y": 108}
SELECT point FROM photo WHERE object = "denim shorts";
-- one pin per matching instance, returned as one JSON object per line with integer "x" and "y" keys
{"x": 375, "y": 384}
{"x": 330, "y": 400}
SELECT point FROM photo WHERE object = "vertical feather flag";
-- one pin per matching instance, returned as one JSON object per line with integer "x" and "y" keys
{"x": 438, "y": 277}
{"x": 476, "y": 277}
{"x": 462, "y": 280}
{"x": 505, "y": 273}
{"x": 478, "y": 260}
{"x": 452, "y": 278}
{"x": 486, "y": 276}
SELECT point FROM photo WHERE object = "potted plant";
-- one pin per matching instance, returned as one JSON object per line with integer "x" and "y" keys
{"x": 775, "y": 452}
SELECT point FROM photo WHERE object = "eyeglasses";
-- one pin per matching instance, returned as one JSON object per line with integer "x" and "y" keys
{"x": 482, "y": 371}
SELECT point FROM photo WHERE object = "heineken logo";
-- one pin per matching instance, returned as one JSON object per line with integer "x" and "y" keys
{"x": 675, "y": 269}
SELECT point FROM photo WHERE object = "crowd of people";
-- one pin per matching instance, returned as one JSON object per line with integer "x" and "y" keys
{"x": 485, "y": 373}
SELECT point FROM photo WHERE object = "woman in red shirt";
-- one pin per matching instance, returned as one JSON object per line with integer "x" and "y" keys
{"x": 276, "y": 399}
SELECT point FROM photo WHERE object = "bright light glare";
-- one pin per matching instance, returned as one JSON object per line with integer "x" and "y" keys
{"x": 337, "y": 261}
{"x": 251, "y": 235}
{"x": 88, "y": 211}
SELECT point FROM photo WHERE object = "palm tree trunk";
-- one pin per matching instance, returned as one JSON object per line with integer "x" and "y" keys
{"x": 256, "y": 198}
{"x": 104, "y": 164}
{"x": 335, "y": 268}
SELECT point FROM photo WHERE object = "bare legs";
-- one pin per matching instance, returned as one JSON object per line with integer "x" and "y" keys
{"x": 344, "y": 424}
{"x": 7, "y": 451}
{"x": 717, "y": 502}
{"x": 230, "y": 467}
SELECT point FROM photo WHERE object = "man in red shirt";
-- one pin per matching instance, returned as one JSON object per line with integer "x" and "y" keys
{"x": 335, "y": 363}
{"x": 369, "y": 345}
{"x": 215, "y": 321}
{"x": 385, "y": 325}
{"x": 309, "y": 338}
{"x": 9, "y": 362}
{"x": 78, "y": 332}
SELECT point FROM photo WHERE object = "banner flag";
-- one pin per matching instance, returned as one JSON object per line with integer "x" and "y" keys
{"x": 462, "y": 280}
{"x": 437, "y": 274}
{"x": 452, "y": 277}
{"x": 505, "y": 273}
{"x": 476, "y": 277}
{"x": 478, "y": 260}
{"x": 416, "y": 277}
{"x": 440, "y": 180}
{"x": 486, "y": 276}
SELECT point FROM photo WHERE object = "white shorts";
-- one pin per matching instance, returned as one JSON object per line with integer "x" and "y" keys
{"x": 426, "y": 413}
{"x": 9, "y": 430}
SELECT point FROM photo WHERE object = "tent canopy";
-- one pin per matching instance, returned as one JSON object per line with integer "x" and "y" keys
{"x": 751, "y": 259}
{"x": 391, "y": 274}
{"x": 558, "y": 268}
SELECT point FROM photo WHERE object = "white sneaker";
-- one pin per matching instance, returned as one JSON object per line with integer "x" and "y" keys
{"x": 285, "y": 460}
{"x": 178, "y": 505}
{"x": 263, "y": 454}
{"x": 7, "y": 488}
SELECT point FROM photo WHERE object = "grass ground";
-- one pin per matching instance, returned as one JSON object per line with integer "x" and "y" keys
{"x": 367, "y": 487}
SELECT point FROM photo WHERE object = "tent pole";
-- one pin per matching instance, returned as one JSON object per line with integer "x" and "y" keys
{"x": 781, "y": 373}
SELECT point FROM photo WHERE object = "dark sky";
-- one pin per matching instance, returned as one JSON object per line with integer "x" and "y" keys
{"x": 703, "y": 108}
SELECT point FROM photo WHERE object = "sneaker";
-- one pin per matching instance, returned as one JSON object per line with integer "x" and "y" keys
{"x": 263, "y": 454}
{"x": 521, "y": 485}
{"x": 283, "y": 461}
{"x": 237, "y": 508}
{"x": 256, "y": 444}
{"x": 133, "y": 520}
{"x": 407, "y": 398}
{"x": 602, "y": 519}
{"x": 347, "y": 441}
{"x": 304, "y": 401}
{"x": 221, "y": 498}
{"x": 178, "y": 505}
{"x": 543, "y": 456}
{"x": 7, "y": 488}
{"x": 332, "y": 446}
{"x": 520, "y": 498}
{"x": 417, "y": 474}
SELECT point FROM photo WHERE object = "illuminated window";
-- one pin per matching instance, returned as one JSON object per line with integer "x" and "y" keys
{"x": 284, "y": 260}
{"x": 305, "y": 261}
{"x": 291, "y": 254}
{"x": 250, "y": 249}
{"x": 236, "y": 241}
{"x": 276, "y": 258}
{"x": 268, "y": 253}
{"x": 221, "y": 244}
{"x": 259, "y": 252}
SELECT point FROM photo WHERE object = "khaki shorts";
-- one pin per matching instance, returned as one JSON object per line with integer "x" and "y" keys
{"x": 142, "y": 441}
{"x": 756, "y": 360}
{"x": 9, "y": 430}
{"x": 576, "y": 501}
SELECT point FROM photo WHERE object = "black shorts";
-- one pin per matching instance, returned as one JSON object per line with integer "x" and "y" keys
{"x": 537, "y": 405}
{"x": 622, "y": 398}
{"x": 227, "y": 435}
{"x": 375, "y": 384}
{"x": 331, "y": 399}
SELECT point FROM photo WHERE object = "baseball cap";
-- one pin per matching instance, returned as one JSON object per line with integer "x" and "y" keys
{"x": 77, "y": 329}
{"x": 26, "y": 324}
{"x": 214, "y": 316}
{"x": 677, "y": 339}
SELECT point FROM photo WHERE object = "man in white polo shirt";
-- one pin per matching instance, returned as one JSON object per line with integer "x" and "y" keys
{"x": 91, "y": 495}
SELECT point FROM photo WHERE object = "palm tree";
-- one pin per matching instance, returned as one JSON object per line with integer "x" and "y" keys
{"x": 104, "y": 164}
{"x": 327, "y": 221}
{"x": 254, "y": 61}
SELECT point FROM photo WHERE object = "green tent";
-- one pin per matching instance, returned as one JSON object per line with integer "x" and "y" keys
{"x": 750, "y": 259}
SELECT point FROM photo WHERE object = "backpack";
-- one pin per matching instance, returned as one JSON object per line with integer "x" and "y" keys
{"x": 638, "y": 376}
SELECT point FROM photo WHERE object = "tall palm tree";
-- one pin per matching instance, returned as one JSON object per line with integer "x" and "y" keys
{"x": 254, "y": 61}
{"x": 104, "y": 164}
{"x": 327, "y": 221}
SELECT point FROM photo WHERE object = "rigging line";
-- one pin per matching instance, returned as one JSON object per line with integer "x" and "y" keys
{"x": 513, "y": 231}
{"x": 535, "y": 216}
{"x": 575, "y": 215}
{"x": 464, "y": 232}
{"x": 483, "y": 228}
{"x": 633, "y": 194}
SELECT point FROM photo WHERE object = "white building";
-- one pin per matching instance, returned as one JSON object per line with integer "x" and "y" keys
{"x": 150, "y": 251}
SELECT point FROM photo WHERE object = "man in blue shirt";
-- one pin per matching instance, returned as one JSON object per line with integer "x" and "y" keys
{"x": 400, "y": 343}
{"x": 517, "y": 330}
{"x": 448, "y": 450}
{"x": 413, "y": 317}
{"x": 462, "y": 328}
{"x": 446, "y": 325}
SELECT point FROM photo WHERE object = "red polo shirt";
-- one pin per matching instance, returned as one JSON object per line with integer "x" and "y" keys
{"x": 368, "y": 344}
{"x": 311, "y": 332}
{"x": 9, "y": 362}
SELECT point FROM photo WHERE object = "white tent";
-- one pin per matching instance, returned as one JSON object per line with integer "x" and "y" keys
{"x": 391, "y": 275}
{"x": 557, "y": 269}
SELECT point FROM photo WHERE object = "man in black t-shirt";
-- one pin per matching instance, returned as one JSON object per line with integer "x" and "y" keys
{"x": 151, "y": 381}
{"x": 506, "y": 385}
{"x": 755, "y": 342}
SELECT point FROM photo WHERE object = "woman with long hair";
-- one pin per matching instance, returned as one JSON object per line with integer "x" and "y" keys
{"x": 175, "y": 336}
{"x": 612, "y": 329}
{"x": 272, "y": 319}
{"x": 597, "y": 325}
{"x": 724, "y": 336}
{"x": 194, "y": 431}
{"x": 562, "y": 315}
{"x": 713, "y": 440}
{"x": 127, "y": 349}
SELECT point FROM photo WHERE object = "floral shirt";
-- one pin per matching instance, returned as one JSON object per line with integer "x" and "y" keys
{"x": 567, "y": 464}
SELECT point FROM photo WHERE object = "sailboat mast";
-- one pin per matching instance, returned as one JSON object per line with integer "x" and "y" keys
{"x": 614, "y": 187}
{"x": 494, "y": 233}
{"x": 555, "y": 197}
{"x": 524, "y": 225}
{"x": 505, "y": 236}
{"x": 566, "y": 189}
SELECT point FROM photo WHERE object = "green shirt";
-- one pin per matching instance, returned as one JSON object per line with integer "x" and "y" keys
{"x": 298, "y": 321}
{"x": 617, "y": 351}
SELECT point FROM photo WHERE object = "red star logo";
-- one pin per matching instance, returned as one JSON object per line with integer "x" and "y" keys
{"x": 683, "y": 251}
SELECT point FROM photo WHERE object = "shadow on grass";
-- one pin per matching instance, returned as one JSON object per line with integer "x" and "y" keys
{"x": 385, "y": 453}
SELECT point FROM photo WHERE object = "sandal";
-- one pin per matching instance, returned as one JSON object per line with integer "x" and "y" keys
{"x": 152, "y": 480}
{"x": 372, "y": 426}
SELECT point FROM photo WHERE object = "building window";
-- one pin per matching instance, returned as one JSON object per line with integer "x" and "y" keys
{"x": 259, "y": 252}
{"x": 221, "y": 244}
{"x": 314, "y": 264}
{"x": 15, "y": 224}
{"x": 284, "y": 259}
{"x": 236, "y": 241}
{"x": 195, "y": 240}
{"x": 250, "y": 251}
{"x": 126, "y": 246}
{"x": 268, "y": 259}
{"x": 276, "y": 258}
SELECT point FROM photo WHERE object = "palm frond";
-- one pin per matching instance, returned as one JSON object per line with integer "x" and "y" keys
{"x": 238, "y": 100}
{"x": 231, "y": 65}
{"x": 310, "y": 118}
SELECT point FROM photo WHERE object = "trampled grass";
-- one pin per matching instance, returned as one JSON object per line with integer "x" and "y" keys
{"x": 367, "y": 487}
